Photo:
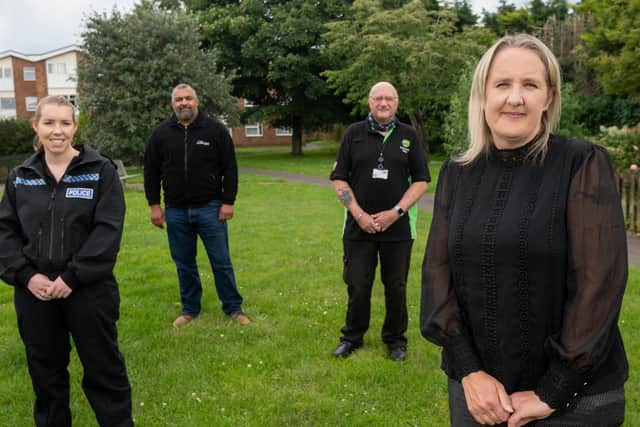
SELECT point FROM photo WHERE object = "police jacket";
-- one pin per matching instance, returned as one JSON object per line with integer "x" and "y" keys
{"x": 195, "y": 164}
{"x": 70, "y": 228}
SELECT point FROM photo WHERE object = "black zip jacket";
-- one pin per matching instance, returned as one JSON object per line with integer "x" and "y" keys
{"x": 70, "y": 228}
{"x": 195, "y": 163}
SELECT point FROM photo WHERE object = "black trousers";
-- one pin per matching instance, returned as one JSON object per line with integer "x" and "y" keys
{"x": 598, "y": 410}
{"x": 89, "y": 315}
{"x": 360, "y": 262}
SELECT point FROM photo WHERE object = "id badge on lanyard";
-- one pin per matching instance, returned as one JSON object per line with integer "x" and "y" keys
{"x": 380, "y": 172}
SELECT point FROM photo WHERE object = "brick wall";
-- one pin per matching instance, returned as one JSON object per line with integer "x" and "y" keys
{"x": 37, "y": 88}
{"x": 268, "y": 138}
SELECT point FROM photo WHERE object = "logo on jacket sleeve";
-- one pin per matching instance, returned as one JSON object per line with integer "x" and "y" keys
{"x": 201, "y": 142}
{"x": 79, "y": 193}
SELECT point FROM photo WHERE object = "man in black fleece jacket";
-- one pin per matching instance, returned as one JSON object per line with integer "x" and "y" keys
{"x": 192, "y": 157}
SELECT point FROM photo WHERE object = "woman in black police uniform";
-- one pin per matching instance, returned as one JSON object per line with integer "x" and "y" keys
{"x": 61, "y": 221}
{"x": 526, "y": 262}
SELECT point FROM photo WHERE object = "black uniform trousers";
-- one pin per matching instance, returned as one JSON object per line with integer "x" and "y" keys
{"x": 360, "y": 262}
{"x": 89, "y": 314}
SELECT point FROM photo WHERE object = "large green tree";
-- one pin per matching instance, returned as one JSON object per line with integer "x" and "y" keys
{"x": 419, "y": 51}
{"x": 132, "y": 62}
{"x": 274, "y": 46}
{"x": 613, "y": 44}
{"x": 508, "y": 19}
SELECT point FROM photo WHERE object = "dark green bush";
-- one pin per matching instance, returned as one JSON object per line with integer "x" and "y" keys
{"x": 594, "y": 111}
{"x": 16, "y": 137}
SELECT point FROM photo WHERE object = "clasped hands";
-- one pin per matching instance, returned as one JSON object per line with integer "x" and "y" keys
{"x": 377, "y": 222}
{"x": 45, "y": 290}
{"x": 489, "y": 403}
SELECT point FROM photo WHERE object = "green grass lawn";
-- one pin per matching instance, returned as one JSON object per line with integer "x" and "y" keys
{"x": 286, "y": 248}
{"x": 317, "y": 160}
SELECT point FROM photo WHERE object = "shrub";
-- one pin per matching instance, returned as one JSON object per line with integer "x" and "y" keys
{"x": 591, "y": 112}
{"x": 16, "y": 137}
{"x": 455, "y": 124}
{"x": 623, "y": 145}
{"x": 570, "y": 118}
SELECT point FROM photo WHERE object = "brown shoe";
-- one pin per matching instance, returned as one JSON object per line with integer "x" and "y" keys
{"x": 182, "y": 320}
{"x": 240, "y": 318}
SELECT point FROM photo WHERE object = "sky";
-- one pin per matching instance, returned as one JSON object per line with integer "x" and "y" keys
{"x": 38, "y": 26}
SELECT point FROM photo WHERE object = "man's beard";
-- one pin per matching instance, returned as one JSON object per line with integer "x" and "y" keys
{"x": 185, "y": 114}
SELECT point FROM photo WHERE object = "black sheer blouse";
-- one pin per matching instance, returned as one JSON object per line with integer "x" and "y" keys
{"x": 525, "y": 269}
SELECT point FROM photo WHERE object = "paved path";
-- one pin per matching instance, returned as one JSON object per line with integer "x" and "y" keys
{"x": 426, "y": 203}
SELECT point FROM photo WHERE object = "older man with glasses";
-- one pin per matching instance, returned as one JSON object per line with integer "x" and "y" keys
{"x": 379, "y": 175}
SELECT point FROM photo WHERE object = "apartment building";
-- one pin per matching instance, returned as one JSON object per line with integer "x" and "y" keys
{"x": 25, "y": 78}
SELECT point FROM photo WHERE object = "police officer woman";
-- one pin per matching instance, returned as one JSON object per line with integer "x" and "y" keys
{"x": 61, "y": 219}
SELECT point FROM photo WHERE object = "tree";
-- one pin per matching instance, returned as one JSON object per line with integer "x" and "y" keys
{"x": 455, "y": 126}
{"x": 418, "y": 51}
{"x": 490, "y": 19}
{"x": 132, "y": 62}
{"x": 275, "y": 48}
{"x": 510, "y": 20}
{"x": 613, "y": 44}
{"x": 464, "y": 12}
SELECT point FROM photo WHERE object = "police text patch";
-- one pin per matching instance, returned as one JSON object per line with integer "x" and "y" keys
{"x": 79, "y": 193}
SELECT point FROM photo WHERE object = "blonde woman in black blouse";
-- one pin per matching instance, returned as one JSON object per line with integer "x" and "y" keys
{"x": 526, "y": 262}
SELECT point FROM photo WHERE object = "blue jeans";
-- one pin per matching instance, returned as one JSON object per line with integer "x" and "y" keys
{"x": 183, "y": 228}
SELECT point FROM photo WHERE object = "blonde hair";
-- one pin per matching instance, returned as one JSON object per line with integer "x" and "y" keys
{"x": 479, "y": 133}
{"x": 50, "y": 100}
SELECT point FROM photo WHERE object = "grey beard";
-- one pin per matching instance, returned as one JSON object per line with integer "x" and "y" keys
{"x": 185, "y": 115}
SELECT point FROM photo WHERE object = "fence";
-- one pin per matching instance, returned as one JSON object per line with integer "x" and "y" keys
{"x": 629, "y": 189}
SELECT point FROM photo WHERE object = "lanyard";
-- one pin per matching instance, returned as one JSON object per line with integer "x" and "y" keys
{"x": 384, "y": 140}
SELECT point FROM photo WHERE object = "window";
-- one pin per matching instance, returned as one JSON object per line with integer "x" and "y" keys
{"x": 7, "y": 73}
{"x": 284, "y": 132}
{"x": 253, "y": 129}
{"x": 7, "y": 103}
{"x": 29, "y": 74}
{"x": 72, "y": 99}
{"x": 31, "y": 103}
{"x": 57, "y": 68}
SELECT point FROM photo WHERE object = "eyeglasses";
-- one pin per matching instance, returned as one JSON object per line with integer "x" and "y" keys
{"x": 379, "y": 99}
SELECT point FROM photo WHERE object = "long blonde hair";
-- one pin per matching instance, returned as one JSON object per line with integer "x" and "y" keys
{"x": 479, "y": 133}
{"x": 48, "y": 100}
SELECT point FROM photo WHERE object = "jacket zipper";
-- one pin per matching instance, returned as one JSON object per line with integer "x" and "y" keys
{"x": 186, "y": 166}
{"x": 52, "y": 212}
{"x": 40, "y": 240}
{"x": 62, "y": 237}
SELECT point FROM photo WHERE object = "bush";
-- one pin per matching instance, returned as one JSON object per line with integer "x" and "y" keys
{"x": 455, "y": 124}
{"x": 570, "y": 124}
{"x": 623, "y": 145}
{"x": 16, "y": 137}
{"x": 590, "y": 112}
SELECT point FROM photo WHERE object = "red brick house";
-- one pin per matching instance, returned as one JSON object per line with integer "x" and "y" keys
{"x": 25, "y": 78}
